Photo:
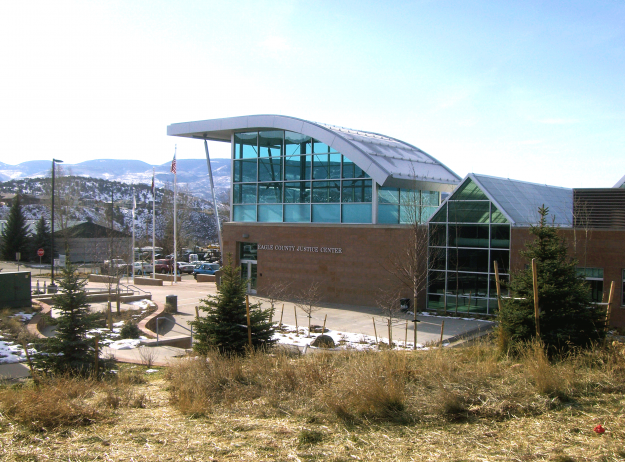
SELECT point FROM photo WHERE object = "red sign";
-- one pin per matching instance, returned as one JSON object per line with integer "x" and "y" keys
{"x": 40, "y": 252}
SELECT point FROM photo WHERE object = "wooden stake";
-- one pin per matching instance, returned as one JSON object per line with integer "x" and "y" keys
{"x": 390, "y": 334}
{"x": 375, "y": 331}
{"x": 497, "y": 284}
{"x": 609, "y": 309}
{"x": 30, "y": 363}
{"x": 281, "y": 314}
{"x": 296, "y": 326}
{"x": 197, "y": 313}
{"x": 442, "y": 329}
{"x": 249, "y": 325}
{"x": 414, "y": 323}
{"x": 406, "y": 337}
{"x": 536, "y": 309}
{"x": 323, "y": 331}
{"x": 97, "y": 354}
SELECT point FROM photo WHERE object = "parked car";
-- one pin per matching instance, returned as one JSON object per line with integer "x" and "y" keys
{"x": 142, "y": 267}
{"x": 185, "y": 267}
{"x": 163, "y": 266}
{"x": 114, "y": 266}
{"x": 205, "y": 268}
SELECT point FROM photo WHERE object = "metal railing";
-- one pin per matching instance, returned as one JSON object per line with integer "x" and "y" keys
{"x": 180, "y": 325}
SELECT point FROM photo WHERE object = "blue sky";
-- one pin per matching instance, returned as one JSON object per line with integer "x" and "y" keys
{"x": 528, "y": 90}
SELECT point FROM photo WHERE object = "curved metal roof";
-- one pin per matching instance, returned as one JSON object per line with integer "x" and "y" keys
{"x": 390, "y": 162}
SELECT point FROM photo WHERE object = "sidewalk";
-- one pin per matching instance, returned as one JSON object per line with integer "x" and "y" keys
{"x": 341, "y": 318}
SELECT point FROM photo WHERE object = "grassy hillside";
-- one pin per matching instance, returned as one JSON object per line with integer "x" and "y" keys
{"x": 446, "y": 405}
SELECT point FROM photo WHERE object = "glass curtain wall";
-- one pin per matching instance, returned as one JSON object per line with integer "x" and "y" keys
{"x": 466, "y": 236}
{"x": 282, "y": 176}
{"x": 405, "y": 206}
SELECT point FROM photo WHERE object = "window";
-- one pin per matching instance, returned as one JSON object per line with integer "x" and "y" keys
{"x": 594, "y": 277}
{"x": 406, "y": 206}
{"x": 466, "y": 235}
{"x": 286, "y": 176}
{"x": 245, "y": 145}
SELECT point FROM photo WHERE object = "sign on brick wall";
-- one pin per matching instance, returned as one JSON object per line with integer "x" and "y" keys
{"x": 299, "y": 248}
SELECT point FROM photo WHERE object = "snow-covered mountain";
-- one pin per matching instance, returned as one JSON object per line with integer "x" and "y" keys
{"x": 192, "y": 173}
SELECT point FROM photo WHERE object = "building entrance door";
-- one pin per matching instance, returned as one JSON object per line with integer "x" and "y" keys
{"x": 248, "y": 271}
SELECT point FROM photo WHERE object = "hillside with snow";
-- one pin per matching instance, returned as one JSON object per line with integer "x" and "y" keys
{"x": 192, "y": 173}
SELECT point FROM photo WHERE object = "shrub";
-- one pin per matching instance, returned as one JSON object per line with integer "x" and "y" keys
{"x": 224, "y": 326}
{"x": 130, "y": 330}
{"x": 566, "y": 320}
{"x": 69, "y": 351}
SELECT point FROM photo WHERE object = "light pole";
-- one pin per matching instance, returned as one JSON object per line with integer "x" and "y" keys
{"x": 52, "y": 287}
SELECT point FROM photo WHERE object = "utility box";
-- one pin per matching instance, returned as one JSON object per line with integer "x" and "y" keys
{"x": 15, "y": 290}
{"x": 172, "y": 301}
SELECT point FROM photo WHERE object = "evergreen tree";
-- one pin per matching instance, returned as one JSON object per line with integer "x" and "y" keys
{"x": 566, "y": 318}
{"x": 41, "y": 240}
{"x": 15, "y": 236}
{"x": 225, "y": 325}
{"x": 69, "y": 351}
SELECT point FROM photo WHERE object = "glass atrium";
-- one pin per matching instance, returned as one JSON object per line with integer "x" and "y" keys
{"x": 466, "y": 235}
{"x": 284, "y": 176}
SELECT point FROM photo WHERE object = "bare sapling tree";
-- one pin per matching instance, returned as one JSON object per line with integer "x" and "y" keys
{"x": 307, "y": 300}
{"x": 184, "y": 206}
{"x": 388, "y": 301}
{"x": 66, "y": 204}
{"x": 275, "y": 292}
{"x": 119, "y": 254}
{"x": 581, "y": 225}
{"x": 409, "y": 265}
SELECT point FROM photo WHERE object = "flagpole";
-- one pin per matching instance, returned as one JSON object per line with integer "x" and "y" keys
{"x": 175, "y": 269}
{"x": 134, "y": 206}
{"x": 210, "y": 175}
{"x": 153, "y": 224}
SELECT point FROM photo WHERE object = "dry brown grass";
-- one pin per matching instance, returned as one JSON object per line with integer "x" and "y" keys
{"x": 56, "y": 402}
{"x": 458, "y": 405}
{"x": 395, "y": 386}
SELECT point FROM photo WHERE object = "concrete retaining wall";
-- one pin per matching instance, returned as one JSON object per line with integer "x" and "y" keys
{"x": 168, "y": 277}
{"x": 102, "y": 278}
{"x": 178, "y": 342}
{"x": 205, "y": 278}
{"x": 148, "y": 281}
{"x": 38, "y": 321}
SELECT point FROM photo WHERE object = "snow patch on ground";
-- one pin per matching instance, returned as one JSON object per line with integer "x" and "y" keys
{"x": 343, "y": 340}
{"x": 24, "y": 317}
{"x": 125, "y": 344}
{"x": 13, "y": 353}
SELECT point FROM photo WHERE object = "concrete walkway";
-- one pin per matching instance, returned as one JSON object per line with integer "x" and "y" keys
{"x": 342, "y": 318}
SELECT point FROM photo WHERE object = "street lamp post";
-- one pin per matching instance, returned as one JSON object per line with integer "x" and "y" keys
{"x": 52, "y": 288}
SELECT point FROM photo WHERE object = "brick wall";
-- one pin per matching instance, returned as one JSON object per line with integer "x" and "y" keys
{"x": 602, "y": 249}
{"x": 353, "y": 276}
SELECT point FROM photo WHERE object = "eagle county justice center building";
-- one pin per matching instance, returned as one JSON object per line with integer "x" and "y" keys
{"x": 318, "y": 202}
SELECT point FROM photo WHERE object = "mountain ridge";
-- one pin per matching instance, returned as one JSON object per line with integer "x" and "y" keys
{"x": 191, "y": 173}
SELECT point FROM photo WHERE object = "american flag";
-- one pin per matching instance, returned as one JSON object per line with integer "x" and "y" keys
{"x": 173, "y": 165}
